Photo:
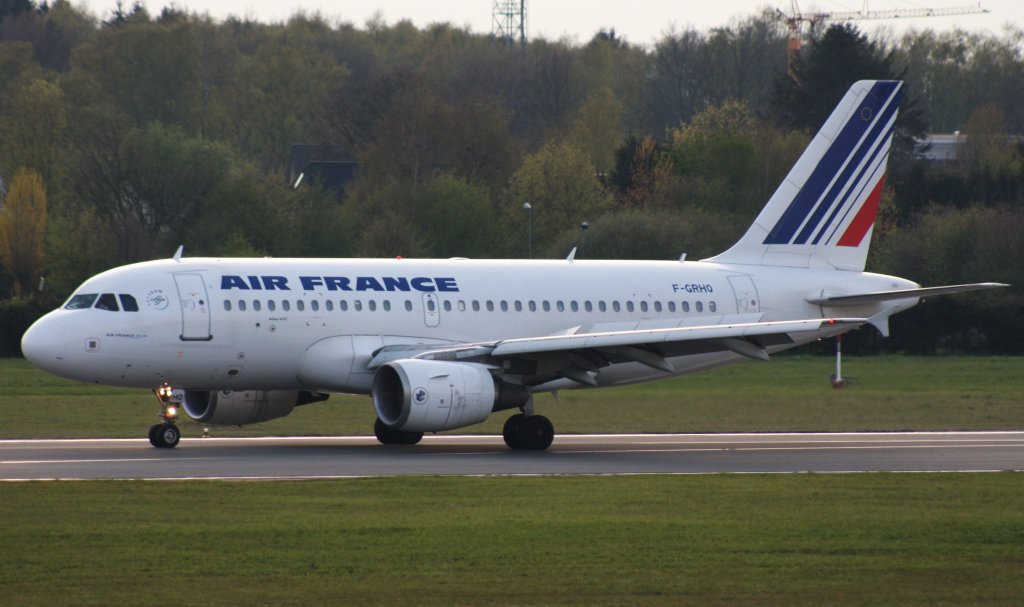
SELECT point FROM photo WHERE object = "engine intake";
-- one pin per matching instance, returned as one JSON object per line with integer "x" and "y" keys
{"x": 429, "y": 395}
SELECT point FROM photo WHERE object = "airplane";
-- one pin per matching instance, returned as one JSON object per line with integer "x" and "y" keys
{"x": 443, "y": 344}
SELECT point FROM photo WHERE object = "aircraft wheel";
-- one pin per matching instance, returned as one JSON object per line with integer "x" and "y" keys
{"x": 390, "y": 436}
{"x": 511, "y": 432}
{"x": 536, "y": 433}
{"x": 166, "y": 436}
{"x": 152, "y": 434}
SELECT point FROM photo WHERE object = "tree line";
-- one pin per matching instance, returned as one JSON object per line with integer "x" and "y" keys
{"x": 124, "y": 137}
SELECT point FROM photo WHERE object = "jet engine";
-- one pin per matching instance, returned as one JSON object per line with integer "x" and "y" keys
{"x": 243, "y": 407}
{"x": 428, "y": 395}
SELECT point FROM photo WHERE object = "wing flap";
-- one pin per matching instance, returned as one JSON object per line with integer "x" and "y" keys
{"x": 653, "y": 338}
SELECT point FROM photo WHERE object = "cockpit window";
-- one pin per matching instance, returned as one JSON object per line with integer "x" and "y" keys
{"x": 81, "y": 301}
{"x": 128, "y": 303}
{"x": 107, "y": 301}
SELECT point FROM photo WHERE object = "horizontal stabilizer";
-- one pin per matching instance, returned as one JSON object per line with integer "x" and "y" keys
{"x": 861, "y": 298}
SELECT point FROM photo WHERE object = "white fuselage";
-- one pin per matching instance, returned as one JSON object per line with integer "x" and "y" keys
{"x": 233, "y": 324}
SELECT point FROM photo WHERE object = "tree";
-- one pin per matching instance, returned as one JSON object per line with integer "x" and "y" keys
{"x": 563, "y": 190}
{"x": 598, "y": 130}
{"x": 825, "y": 71}
{"x": 23, "y": 229}
{"x": 460, "y": 219}
{"x": 35, "y": 120}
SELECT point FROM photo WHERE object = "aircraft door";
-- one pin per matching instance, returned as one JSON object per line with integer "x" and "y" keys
{"x": 431, "y": 310}
{"x": 746, "y": 294}
{"x": 195, "y": 307}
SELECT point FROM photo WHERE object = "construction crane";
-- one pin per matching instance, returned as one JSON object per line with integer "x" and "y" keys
{"x": 796, "y": 18}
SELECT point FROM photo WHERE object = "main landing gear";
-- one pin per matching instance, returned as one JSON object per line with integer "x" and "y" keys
{"x": 528, "y": 431}
{"x": 165, "y": 435}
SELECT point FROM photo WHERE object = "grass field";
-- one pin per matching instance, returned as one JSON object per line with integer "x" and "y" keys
{"x": 853, "y": 539}
{"x": 865, "y": 539}
{"x": 786, "y": 394}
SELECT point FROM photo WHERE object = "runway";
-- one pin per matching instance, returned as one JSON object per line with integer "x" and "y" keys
{"x": 470, "y": 455}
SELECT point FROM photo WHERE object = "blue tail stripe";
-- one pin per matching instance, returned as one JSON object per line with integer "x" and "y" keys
{"x": 863, "y": 184}
{"x": 837, "y": 153}
{"x": 844, "y": 178}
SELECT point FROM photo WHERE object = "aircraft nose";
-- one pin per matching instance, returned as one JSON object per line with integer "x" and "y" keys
{"x": 44, "y": 343}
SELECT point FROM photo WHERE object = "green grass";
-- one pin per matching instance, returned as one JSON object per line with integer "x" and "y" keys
{"x": 786, "y": 394}
{"x": 866, "y": 539}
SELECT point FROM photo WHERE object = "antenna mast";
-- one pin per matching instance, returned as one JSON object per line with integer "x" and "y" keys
{"x": 509, "y": 22}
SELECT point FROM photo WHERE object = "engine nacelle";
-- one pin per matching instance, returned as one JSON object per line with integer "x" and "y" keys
{"x": 243, "y": 407}
{"x": 430, "y": 395}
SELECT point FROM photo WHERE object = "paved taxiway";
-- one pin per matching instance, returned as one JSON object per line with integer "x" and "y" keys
{"x": 341, "y": 457}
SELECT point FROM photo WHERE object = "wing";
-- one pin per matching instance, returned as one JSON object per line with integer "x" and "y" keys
{"x": 580, "y": 355}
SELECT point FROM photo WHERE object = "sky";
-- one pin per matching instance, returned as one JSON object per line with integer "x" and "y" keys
{"x": 638, "y": 21}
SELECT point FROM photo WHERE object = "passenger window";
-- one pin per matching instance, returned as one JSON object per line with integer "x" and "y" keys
{"x": 490, "y": 306}
{"x": 241, "y": 305}
{"x": 128, "y": 303}
{"x": 561, "y": 306}
{"x": 227, "y": 305}
{"x": 256, "y": 305}
{"x": 533, "y": 306}
{"x": 476, "y": 306}
{"x": 357, "y": 306}
{"x": 372, "y": 305}
{"x": 575, "y": 307}
{"x": 657, "y": 306}
{"x": 431, "y": 306}
{"x": 80, "y": 302}
{"x": 286, "y": 305}
{"x": 462, "y": 306}
{"x": 685, "y": 306}
{"x": 313, "y": 305}
{"x": 601, "y": 306}
{"x": 300, "y": 305}
{"x": 643, "y": 306}
{"x": 107, "y": 301}
{"x": 329, "y": 304}
{"x": 343, "y": 305}
{"x": 387, "y": 305}
{"x": 271, "y": 305}
{"x": 587, "y": 306}
{"x": 615, "y": 306}
{"x": 408, "y": 306}
{"x": 671, "y": 306}
{"x": 712, "y": 306}
{"x": 504, "y": 306}
{"x": 447, "y": 305}
{"x": 629, "y": 306}
{"x": 699, "y": 306}
{"x": 519, "y": 306}
{"x": 546, "y": 305}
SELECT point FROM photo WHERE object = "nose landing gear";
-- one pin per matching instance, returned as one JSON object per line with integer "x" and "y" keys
{"x": 165, "y": 435}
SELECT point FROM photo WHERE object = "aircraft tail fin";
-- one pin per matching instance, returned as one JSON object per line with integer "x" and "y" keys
{"x": 823, "y": 213}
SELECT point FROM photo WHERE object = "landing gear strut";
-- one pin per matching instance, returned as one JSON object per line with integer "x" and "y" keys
{"x": 165, "y": 435}
{"x": 390, "y": 436}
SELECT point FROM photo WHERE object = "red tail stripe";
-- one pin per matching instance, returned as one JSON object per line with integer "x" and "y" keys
{"x": 865, "y": 218}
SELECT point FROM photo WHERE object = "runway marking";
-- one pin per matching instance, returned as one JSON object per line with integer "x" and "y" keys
{"x": 748, "y": 449}
{"x": 826, "y": 437}
{"x": 101, "y": 460}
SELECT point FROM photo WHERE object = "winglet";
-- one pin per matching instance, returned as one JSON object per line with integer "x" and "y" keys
{"x": 177, "y": 254}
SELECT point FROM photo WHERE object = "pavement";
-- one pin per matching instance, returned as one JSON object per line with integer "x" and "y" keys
{"x": 277, "y": 458}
